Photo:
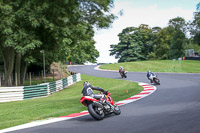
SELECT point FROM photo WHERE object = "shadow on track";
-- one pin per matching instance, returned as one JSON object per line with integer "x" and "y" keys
{"x": 89, "y": 118}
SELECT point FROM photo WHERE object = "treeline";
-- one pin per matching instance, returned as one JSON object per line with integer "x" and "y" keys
{"x": 146, "y": 43}
{"x": 63, "y": 29}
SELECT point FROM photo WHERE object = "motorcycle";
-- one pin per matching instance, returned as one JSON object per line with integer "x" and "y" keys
{"x": 99, "y": 108}
{"x": 123, "y": 74}
{"x": 155, "y": 79}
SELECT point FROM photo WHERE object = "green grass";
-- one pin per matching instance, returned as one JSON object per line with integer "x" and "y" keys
{"x": 175, "y": 66}
{"x": 61, "y": 103}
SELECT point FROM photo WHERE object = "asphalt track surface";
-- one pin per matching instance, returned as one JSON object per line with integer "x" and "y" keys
{"x": 173, "y": 108}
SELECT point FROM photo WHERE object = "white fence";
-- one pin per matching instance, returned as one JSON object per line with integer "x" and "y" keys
{"x": 26, "y": 92}
{"x": 11, "y": 93}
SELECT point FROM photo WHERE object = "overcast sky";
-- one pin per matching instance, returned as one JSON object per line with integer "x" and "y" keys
{"x": 136, "y": 12}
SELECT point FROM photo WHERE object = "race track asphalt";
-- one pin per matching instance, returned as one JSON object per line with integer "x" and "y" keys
{"x": 173, "y": 108}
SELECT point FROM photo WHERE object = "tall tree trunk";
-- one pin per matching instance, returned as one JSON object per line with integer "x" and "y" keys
{"x": 17, "y": 67}
{"x": 8, "y": 58}
{"x": 23, "y": 72}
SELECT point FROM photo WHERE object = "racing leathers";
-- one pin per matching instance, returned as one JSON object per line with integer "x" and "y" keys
{"x": 121, "y": 70}
{"x": 88, "y": 91}
{"x": 150, "y": 76}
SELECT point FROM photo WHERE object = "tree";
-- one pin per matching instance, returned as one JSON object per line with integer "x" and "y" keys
{"x": 156, "y": 29}
{"x": 178, "y": 23}
{"x": 162, "y": 43}
{"x": 177, "y": 46}
{"x": 135, "y": 44}
{"x": 194, "y": 26}
{"x": 127, "y": 49}
{"x": 146, "y": 39}
{"x": 58, "y": 27}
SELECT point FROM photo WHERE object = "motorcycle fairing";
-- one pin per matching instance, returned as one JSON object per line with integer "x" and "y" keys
{"x": 87, "y": 98}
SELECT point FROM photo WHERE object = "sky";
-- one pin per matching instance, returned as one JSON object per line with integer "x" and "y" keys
{"x": 136, "y": 12}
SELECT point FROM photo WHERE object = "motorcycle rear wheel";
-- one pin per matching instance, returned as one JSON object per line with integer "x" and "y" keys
{"x": 157, "y": 81}
{"x": 125, "y": 76}
{"x": 93, "y": 110}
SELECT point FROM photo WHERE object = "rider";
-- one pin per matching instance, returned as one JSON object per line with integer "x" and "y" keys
{"x": 88, "y": 90}
{"x": 121, "y": 69}
{"x": 150, "y": 75}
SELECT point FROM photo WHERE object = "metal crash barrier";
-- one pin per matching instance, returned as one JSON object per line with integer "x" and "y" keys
{"x": 8, "y": 94}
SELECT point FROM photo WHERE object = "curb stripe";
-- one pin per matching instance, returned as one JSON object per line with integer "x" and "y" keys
{"x": 145, "y": 85}
{"x": 148, "y": 86}
{"x": 75, "y": 114}
{"x": 119, "y": 104}
{"x": 132, "y": 98}
{"x": 148, "y": 89}
{"x": 144, "y": 93}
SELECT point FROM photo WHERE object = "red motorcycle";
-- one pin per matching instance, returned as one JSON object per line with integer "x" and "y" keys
{"x": 99, "y": 108}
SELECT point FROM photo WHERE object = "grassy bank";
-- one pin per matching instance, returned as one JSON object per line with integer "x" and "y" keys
{"x": 183, "y": 66}
{"x": 61, "y": 103}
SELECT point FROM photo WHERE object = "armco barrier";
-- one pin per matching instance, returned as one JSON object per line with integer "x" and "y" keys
{"x": 52, "y": 87}
{"x": 78, "y": 77}
{"x": 59, "y": 85}
{"x": 74, "y": 78}
{"x": 65, "y": 82}
{"x": 35, "y": 91}
{"x": 11, "y": 93}
{"x": 28, "y": 92}
{"x": 70, "y": 80}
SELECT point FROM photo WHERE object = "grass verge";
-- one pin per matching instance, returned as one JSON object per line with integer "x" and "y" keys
{"x": 175, "y": 66}
{"x": 61, "y": 103}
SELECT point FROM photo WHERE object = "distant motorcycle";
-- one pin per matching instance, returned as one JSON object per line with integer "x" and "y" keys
{"x": 123, "y": 74}
{"x": 155, "y": 79}
{"x": 99, "y": 108}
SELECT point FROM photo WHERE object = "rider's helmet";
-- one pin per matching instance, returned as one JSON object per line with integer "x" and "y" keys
{"x": 148, "y": 71}
{"x": 86, "y": 83}
{"x": 121, "y": 67}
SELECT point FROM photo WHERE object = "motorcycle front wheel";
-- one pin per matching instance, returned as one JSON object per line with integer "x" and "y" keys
{"x": 96, "y": 112}
{"x": 117, "y": 110}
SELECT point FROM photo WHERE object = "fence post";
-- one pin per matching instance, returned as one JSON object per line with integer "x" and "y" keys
{"x": 0, "y": 80}
{"x": 30, "y": 77}
{"x": 3, "y": 77}
{"x": 15, "y": 79}
{"x": 42, "y": 77}
{"x": 61, "y": 71}
{"x": 53, "y": 74}
{"x": 27, "y": 76}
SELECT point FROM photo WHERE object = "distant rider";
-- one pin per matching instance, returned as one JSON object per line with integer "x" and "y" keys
{"x": 150, "y": 75}
{"x": 121, "y": 69}
{"x": 88, "y": 90}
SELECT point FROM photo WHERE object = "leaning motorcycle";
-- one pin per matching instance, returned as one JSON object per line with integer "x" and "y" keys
{"x": 99, "y": 108}
{"x": 123, "y": 74}
{"x": 155, "y": 79}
